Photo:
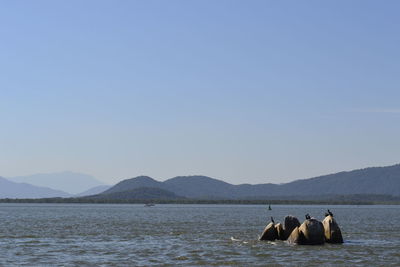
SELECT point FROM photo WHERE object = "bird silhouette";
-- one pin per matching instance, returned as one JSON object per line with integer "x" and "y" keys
{"x": 330, "y": 213}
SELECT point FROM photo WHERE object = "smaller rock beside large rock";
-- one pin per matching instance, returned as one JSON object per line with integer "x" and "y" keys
{"x": 310, "y": 232}
{"x": 280, "y": 231}
{"x": 270, "y": 233}
{"x": 296, "y": 237}
{"x": 332, "y": 231}
{"x": 290, "y": 224}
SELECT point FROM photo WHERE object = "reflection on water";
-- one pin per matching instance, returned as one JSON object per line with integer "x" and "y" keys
{"x": 170, "y": 235}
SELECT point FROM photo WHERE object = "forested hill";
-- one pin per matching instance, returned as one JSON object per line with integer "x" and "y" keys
{"x": 374, "y": 180}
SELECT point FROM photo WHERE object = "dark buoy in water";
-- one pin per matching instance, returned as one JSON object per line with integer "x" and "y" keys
{"x": 269, "y": 207}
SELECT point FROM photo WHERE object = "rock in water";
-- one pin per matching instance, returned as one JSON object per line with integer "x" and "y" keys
{"x": 332, "y": 230}
{"x": 313, "y": 232}
{"x": 269, "y": 233}
{"x": 279, "y": 231}
{"x": 291, "y": 223}
{"x": 296, "y": 237}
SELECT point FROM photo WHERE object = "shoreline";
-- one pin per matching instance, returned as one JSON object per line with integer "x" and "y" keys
{"x": 194, "y": 201}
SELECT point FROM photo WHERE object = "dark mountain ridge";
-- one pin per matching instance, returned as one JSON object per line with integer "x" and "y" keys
{"x": 138, "y": 193}
{"x": 373, "y": 180}
{"x": 133, "y": 183}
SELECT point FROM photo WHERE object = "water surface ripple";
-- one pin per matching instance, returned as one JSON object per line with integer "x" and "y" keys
{"x": 188, "y": 235}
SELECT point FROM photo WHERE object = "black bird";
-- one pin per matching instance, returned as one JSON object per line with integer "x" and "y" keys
{"x": 330, "y": 213}
{"x": 272, "y": 220}
{"x": 308, "y": 216}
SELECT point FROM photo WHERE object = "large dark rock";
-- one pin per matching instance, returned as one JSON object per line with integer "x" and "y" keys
{"x": 290, "y": 224}
{"x": 310, "y": 232}
{"x": 270, "y": 233}
{"x": 313, "y": 232}
{"x": 332, "y": 230}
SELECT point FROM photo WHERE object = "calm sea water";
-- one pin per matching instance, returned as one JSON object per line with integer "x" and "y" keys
{"x": 188, "y": 235}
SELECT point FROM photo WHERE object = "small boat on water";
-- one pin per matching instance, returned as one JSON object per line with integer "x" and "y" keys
{"x": 149, "y": 205}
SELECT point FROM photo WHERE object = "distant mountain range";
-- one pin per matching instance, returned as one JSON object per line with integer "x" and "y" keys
{"x": 139, "y": 193}
{"x": 9, "y": 189}
{"x": 50, "y": 185}
{"x": 382, "y": 181}
{"x": 70, "y": 182}
{"x": 93, "y": 191}
{"x": 375, "y": 180}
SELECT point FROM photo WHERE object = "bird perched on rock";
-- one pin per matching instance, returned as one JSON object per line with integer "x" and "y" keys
{"x": 270, "y": 232}
{"x": 329, "y": 213}
{"x": 332, "y": 230}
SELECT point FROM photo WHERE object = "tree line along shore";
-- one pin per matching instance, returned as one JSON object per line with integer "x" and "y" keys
{"x": 346, "y": 201}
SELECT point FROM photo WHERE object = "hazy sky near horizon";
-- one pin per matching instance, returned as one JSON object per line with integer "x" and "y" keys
{"x": 244, "y": 91}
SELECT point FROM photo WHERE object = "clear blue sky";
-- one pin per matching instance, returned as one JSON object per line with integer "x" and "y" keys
{"x": 245, "y": 91}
